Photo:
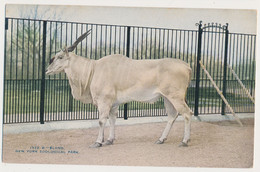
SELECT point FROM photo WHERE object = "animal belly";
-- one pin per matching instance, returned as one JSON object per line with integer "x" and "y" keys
{"x": 143, "y": 95}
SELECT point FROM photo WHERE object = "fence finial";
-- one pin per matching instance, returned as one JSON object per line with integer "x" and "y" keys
{"x": 198, "y": 24}
{"x": 226, "y": 26}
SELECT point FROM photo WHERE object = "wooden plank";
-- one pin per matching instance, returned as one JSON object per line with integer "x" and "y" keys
{"x": 241, "y": 84}
{"x": 220, "y": 93}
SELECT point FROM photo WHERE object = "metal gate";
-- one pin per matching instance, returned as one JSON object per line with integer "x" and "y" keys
{"x": 217, "y": 49}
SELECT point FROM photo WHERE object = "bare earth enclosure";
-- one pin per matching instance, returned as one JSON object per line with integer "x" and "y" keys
{"x": 218, "y": 144}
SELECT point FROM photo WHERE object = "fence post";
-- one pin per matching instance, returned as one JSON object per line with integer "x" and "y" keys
{"x": 4, "y": 85}
{"x": 6, "y": 23}
{"x": 197, "y": 88}
{"x": 225, "y": 71}
{"x": 43, "y": 73}
{"x": 127, "y": 54}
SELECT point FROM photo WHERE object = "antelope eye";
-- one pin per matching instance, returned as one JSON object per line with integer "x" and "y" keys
{"x": 60, "y": 57}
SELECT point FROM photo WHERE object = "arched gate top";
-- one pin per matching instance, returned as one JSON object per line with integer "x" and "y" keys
{"x": 212, "y": 25}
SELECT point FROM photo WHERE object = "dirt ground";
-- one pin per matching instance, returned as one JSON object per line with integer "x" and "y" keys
{"x": 222, "y": 144}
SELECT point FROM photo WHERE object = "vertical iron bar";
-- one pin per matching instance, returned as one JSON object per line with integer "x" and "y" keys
{"x": 43, "y": 72}
{"x": 251, "y": 71}
{"x": 100, "y": 54}
{"x": 214, "y": 37}
{"x": 168, "y": 35}
{"x": 163, "y": 43}
{"x": 56, "y": 81}
{"x": 5, "y": 80}
{"x": 230, "y": 82}
{"x": 76, "y": 103}
{"x": 137, "y": 44}
{"x": 62, "y": 80}
{"x": 243, "y": 58}
{"x": 183, "y": 50}
{"x": 127, "y": 54}
{"x": 70, "y": 94}
{"x": 86, "y": 51}
{"x": 180, "y": 45}
{"x": 11, "y": 75}
{"x": 176, "y": 38}
{"x": 115, "y": 41}
{"x": 28, "y": 74}
{"x": 218, "y": 73}
{"x": 39, "y": 52}
{"x": 225, "y": 70}
{"x": 34, "y": 73}
{"x": 203, "y": 77}
{"x": 159, "y": 48}
{"x": 155, "y": 43}
{"x": 151, "y": 43}
{"x": 187, "y": 55}
{"x": 247, "y": 60}
{"x": 209, "y": 53}
{"x": 23, "y": 95}
{"x": 110, "y": 40}
{"x": 67, "y": 89}
{"x": 146, "y": 39}
{"x": 49, "y": 83}
{"x": 16, "y": 74}
{"x": 106, "y": 41}
{"x": 254, "y": 63}
{"x": 142, "y": 43}
{"x": 196, "y": 112}
{"x": 96, "y": 43}
{"x": 124, "y": 46}
{"x": 192, "y": 66}
{"x": 119, "y": 40}
{"x": 240, "y": 56}
{"x": 171, "y": 43}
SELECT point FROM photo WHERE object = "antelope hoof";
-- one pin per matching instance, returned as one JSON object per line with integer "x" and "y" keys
{"x": 159, "y": 142}
{"x": 96, "y": 145}
{"x": 183, "y": 144}
{"x": 108, "y": 142}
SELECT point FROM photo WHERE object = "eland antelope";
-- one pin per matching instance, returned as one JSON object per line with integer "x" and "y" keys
{"x": 116, "y": 79}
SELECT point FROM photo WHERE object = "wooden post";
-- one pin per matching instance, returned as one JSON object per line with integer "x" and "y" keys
{"x": 242, "y": 85}
{"x": 221, "y": 95}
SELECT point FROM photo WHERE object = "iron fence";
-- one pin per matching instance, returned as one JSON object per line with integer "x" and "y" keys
{"x": 30, "y": 96}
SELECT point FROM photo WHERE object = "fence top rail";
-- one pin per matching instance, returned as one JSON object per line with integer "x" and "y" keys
{"x": 113, "y": 25}
{"x": 243, "y": 34}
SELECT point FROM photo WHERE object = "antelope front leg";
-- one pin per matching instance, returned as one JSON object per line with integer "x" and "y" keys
{"x": 112, "y": 121}
{"x": 111, "y": 137}
{"x": 102, "y": 122}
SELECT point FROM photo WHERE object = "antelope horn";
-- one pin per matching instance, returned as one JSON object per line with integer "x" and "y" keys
{"x": 74, "y": 45}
